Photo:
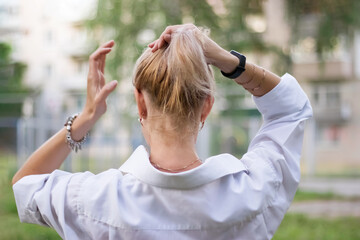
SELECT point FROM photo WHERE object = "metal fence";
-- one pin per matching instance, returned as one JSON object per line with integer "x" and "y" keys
{"x": 118, "y": 133}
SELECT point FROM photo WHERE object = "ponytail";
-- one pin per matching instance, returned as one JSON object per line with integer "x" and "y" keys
{"x": 177, "y": 77}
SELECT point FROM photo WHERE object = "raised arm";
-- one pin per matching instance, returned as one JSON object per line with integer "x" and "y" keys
{"x": 53, "y": 152}
{"x": 256, "y": 80}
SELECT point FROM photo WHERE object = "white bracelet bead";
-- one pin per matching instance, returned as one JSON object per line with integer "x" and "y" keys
{"x": 73, "y": 145}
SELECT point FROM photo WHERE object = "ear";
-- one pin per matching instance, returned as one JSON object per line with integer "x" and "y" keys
{"x": 206, "y": 109}
{"x": 140, "y": 100}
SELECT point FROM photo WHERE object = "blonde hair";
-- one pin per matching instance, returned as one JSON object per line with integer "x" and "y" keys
{"x": 176, "y": 77}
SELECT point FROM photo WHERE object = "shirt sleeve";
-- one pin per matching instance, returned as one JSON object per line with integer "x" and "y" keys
{"x": 51, "y": 200}
{"x": 273, "y": 157}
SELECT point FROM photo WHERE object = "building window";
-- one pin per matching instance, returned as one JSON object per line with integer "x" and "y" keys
{"x": 327, "y": 95}
{"x": 82, "y": 67}
{"x": 48, "y": 70}
{"x": 331, "y": 112}
{"x": 48, "y": 37}
{"x": 328, "y": 135}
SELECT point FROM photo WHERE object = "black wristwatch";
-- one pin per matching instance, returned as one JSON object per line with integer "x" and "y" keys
{"x": 239, "y": 68}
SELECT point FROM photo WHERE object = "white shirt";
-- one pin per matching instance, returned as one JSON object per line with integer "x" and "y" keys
{"x": 224, "y": 198}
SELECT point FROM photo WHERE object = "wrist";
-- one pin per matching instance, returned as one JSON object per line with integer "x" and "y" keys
{"x": 225, "y": 61}
{"x": 81, "y": 126}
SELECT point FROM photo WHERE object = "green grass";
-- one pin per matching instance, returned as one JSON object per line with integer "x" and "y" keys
{"x": 308, "y": 196}
{"x": 10, "y": 226}
{"x": 300, "y": 227}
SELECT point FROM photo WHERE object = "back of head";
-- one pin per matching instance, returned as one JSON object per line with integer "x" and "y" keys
{"x": 176, "y": 77}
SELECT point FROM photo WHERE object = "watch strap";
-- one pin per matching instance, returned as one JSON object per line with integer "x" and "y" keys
{"x": 239, "y": 68}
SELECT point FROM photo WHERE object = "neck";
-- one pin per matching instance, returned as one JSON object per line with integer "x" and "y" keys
{"x": 174, "y": 154}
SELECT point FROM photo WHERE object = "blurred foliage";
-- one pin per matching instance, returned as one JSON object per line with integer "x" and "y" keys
{"x": 12, "y": 94}
{"x": 334, "y": 18}
{"x": 10, "y": 225}
{"x": 126, "y": 21}
{"x": 11, "y": 74}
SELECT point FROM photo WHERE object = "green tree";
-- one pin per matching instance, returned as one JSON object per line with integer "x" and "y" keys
{"x": 126, "y": 20}
{"x": 11, "y": 95}
{"x": 11, "y": 74}
{"x": 332, "y": 19}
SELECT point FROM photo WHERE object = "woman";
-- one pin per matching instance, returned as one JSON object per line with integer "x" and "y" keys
{"x": 170, "y": 192}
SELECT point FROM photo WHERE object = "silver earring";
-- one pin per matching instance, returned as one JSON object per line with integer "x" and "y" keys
{"x": 140, "y": 119}
{"x": 202, "y": 125}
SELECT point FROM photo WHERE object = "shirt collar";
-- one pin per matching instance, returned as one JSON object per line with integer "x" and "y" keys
{"x": 213, "y": 168}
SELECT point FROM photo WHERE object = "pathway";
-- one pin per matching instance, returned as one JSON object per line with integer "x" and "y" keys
{"x": 328, "y": 209}
{"x": 349, "y": 188}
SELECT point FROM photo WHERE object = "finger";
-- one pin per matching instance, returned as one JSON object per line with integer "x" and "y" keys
{"x": 102, "y": 63}
{"x": 164, "y": 37}
{"x": 94, "y": 63}
{"x": 167, "y": 38}
{"x": 158, "y": 44}
{"x": 108, "y": 44}
{"x": 154, "y": 47}
{"x": 103, "y": 58}
{"x": 170, "y": 29}
{"x": 100, "y": 51}
{"x": 101, "y": 78}
{"x": 106, "y": 90}
{"x": 161, "y": 42}
{"x": 151, "y": 45}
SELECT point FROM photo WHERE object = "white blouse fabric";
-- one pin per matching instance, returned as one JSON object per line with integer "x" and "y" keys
{"x": 224, "y": 198}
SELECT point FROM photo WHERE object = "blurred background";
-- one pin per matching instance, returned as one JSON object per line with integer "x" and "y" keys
{"x": 44, "y": 50}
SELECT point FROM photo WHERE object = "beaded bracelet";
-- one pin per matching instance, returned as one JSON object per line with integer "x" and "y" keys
{"x": 73, "y": 145}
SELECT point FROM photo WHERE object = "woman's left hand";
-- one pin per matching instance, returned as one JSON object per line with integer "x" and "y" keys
{"x": 52, "y": 154}
{"x": 97, "y": 90}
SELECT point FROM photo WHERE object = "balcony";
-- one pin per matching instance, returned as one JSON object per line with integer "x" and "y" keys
{"x": 79, "y": 49}
{"x": 329, "y": 71}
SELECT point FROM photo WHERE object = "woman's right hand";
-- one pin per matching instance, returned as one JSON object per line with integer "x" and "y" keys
{"x": 254, "y": 80}
{"x": 214, "y": 54}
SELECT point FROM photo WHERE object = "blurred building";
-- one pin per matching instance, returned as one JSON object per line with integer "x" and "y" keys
{"x": 10, "y": 26}
{"x": 332, "y": 137}
{"x": 50, "y": 37}
{"x": 11, "y": 93}
{"x": 332, "y": 84}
